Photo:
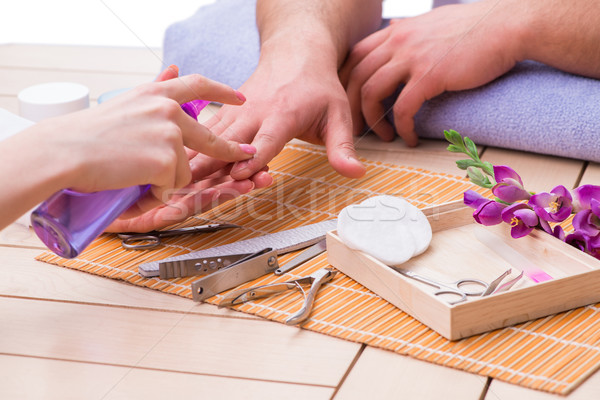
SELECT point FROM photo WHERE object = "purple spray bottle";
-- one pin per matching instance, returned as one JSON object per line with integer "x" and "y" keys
{"x": 69, "y": 221}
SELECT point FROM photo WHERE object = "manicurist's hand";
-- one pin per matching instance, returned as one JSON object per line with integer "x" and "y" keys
{"x": 140, "y": 137}
{"x": 202, "y": 194}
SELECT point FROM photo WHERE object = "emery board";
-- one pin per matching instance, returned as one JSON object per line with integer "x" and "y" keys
{"x": 282, "y": 242}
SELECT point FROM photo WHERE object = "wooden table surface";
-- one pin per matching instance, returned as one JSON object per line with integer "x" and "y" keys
{"x": 67, "y": 334}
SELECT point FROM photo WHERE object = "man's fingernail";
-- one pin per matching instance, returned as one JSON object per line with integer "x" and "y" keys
{"x": 248, "y": 148}
{"x": 354, "y": 160}
{"x": 241, "y": 165}
{"x": 240, "y": 96}
{"x": 174, "y": 68}
{"x": 211, "y": 193}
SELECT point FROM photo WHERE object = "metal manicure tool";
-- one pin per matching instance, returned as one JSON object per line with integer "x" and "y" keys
{"x": 459, "y": 289}
{"x": 308, "y": 254}
{"x": 227, "y": 272}
{"x": 315, "y": 280}
{"x": 509, "y": 284}
{"x": 225, "y": 267}
{"x": 282, "y": 242}
{"x": 149, "y": 240}
{"x": 494, "y": 284}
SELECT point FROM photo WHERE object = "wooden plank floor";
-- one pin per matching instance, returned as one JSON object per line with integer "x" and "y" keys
{"x": 68, "y": 334}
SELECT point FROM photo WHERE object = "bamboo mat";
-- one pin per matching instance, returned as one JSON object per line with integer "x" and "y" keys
{"x": 553, "y": 354}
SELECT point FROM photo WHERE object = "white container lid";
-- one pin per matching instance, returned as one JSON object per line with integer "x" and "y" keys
{"x": 52, "y": 99}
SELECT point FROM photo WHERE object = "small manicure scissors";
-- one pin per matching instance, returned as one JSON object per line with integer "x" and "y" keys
{"x": 152, "y": 239}
{"x": 457, "y": 288}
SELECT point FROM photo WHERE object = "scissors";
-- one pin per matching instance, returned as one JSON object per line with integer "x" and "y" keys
{"x": 153, "y": 238}
{"x": 454, "y": 288}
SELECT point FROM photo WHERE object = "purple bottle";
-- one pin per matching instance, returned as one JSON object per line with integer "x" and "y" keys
{"x": 69, "y": 221}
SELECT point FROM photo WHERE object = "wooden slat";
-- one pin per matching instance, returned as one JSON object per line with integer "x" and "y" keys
{"x": 381, "y": 374}
{"x": 540, "y": 173}
{"x": 231, "y": 347}
{"x": 589, "y": 389}
{"x": 19, "y": 235}
{"x": 81, "y": 58}
{"x": 25, "y": 277}
{"x": 34, "y": 378}
{"x": 429, "y": 154}
{"x": 591, "y": 175}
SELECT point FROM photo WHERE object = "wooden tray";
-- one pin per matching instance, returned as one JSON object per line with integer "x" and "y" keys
{"x": 455, "y": 253}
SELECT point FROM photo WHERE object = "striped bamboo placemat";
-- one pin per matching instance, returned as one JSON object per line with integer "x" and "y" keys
{"x": 554, "y": 354}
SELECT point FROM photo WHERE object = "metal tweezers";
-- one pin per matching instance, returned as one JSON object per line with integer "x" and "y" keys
{"x": 315, "y": 280}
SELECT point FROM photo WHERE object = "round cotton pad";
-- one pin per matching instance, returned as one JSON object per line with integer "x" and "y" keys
{"x": 387, "y": 228}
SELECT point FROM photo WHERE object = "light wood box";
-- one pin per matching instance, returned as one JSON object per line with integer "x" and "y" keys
{"x": 456, "y": 253}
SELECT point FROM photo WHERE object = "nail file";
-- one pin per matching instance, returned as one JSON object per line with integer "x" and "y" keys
{"x": 282, "y": 242}
{"x": 513, "y": 257}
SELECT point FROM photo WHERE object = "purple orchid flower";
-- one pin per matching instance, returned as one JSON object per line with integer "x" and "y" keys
{"x": 594, "y": 247}
{"x": 555, "y": 206}
{"x": 579, "y": 240}
{"x": 588, "y": 220}
{"x": 473, "y": 199}
{"x": 487, "y": 212}
{"x": 509, "y": 186}
{"x": 558, "y": 232}
{"x": 521, "y": 218}
{"x": 583, "y": 196}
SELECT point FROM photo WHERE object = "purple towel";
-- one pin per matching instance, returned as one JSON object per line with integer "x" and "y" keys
{"x": 533, "y": 107}
{"x": 220, "y": 42}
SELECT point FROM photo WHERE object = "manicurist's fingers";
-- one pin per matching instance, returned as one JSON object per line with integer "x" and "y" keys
{"x": 172, "y": 71}
{"x": 193, "y": 87}
{"x": 197, "y": 137}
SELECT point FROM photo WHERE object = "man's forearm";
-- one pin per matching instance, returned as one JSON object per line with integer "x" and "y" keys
{"x": 563, "y": 34}
{"x": 316, "y": 26}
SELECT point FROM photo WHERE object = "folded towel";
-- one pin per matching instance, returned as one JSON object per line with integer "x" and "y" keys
{"x": 533, "y": 107}
{"x": 220, "y": 42}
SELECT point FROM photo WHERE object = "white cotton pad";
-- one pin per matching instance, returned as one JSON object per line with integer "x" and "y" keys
{"x": 387, "y": 228}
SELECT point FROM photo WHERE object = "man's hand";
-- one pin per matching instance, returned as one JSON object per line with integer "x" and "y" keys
{"x": 451, "y": 48}
{"x": 179, "y": 204}
{"x": 295, "y": 92}
{"x": 286, "y": 101}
